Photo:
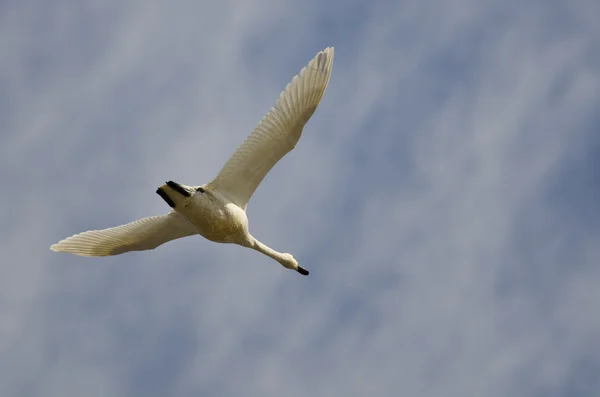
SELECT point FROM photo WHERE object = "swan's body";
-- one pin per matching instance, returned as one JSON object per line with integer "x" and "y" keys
{"x": 217, "y": 210}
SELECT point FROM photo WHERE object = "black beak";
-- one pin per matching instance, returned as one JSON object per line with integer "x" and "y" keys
{"x": 302, "y": 271}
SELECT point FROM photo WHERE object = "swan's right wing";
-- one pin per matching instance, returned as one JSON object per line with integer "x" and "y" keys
{"x": 277, "y": 133}
{"x": 144, "y": 234}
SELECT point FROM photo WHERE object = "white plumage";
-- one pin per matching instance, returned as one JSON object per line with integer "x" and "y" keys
{"x": 217, "y": 210}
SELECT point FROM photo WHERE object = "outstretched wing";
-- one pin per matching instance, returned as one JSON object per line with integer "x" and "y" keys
{"x": 277, "y": 133}
{"x": 144, "y": 234}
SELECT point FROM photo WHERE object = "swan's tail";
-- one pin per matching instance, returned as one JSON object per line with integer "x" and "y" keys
{"x": 174, "y": 193}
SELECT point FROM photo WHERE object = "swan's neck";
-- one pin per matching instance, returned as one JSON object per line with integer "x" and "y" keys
{"x": 260, "y": 247}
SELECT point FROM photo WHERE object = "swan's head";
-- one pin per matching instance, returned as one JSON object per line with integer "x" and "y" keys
{"x": 287, "y": 260}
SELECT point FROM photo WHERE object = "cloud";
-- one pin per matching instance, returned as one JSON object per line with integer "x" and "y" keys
{"x": 443, "y": 196}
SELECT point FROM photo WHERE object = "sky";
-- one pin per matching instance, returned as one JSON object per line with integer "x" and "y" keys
{"x": 445, "y": 197}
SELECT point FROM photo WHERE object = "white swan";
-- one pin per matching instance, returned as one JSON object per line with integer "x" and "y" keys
{"x": 217, "y": 210}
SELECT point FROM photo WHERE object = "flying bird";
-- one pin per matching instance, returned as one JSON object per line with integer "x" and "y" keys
{"x": 217, "y": 210}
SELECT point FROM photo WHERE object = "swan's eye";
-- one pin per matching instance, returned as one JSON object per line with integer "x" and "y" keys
{"x": 200, "y": 190}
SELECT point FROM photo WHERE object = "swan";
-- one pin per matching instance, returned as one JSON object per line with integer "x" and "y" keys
{"x": 217, "y": 210}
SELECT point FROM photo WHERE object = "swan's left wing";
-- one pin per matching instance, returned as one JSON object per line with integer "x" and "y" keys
{"x": 277, "y": 133}
{"x": 144, "y": 234}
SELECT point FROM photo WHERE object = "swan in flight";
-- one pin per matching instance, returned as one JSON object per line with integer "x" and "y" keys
{"x": 217, "y": 210}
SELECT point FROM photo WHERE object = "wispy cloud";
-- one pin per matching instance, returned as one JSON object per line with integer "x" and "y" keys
{"x": 444, "y": 197}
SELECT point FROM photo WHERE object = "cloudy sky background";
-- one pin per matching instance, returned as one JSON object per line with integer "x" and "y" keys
{"x": 445, "y": 197}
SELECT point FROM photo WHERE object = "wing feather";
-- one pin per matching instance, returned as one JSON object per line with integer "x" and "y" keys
{"x": 143, "y": 234}
{"x": 277, "y": 133}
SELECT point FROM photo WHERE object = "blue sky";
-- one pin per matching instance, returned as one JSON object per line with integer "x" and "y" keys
{"x": 445, "y": 197}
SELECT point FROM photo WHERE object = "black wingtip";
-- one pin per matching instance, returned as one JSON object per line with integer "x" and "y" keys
{"x": 165, "y": 197}
{"x": 302, "y": 271}
{"x": 178, "y": 188}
